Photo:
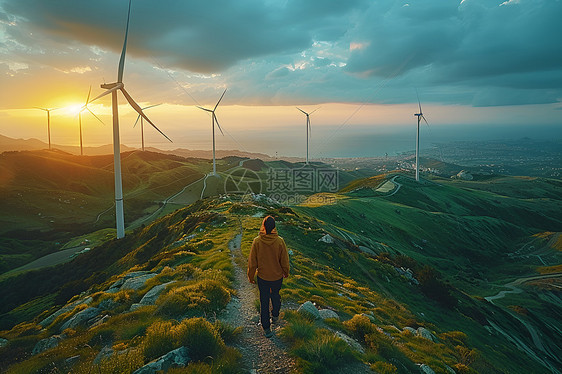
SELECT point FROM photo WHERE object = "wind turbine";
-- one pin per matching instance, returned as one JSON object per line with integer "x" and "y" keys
{"x": 420, "y": 117}
{"x": 111, "y": 88}
{"x": 308, "y": 129}
{"x": 142, "y": 123}
{"x": 85, "y": 107}
{"x": 48, "y": 122}
{"x": 213, "y": 120}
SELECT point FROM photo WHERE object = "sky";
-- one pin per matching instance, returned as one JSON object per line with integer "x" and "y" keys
{"x": 481, "y": 68}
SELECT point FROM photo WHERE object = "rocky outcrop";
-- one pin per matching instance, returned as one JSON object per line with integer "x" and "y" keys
{"x": 326, "y": 239}
{"x": 81, "y": 319}
{"x": 136, "y": 282}
{"x": 177, "y": 358}
{"x": 426, "y": 334}
{"x": 328, "y": 313}
{"x": 131, "y": 281}
{"x": 151, "y": 296}
{"x": 67, "y": 308}
{"x": 309, "y": 309}
{"x": 3, "y": 342}
{"x": 105, "y": 353}
{"x": 426, "y": 369}
{"x": 350, "y": 341}
{"x": 47, "y": 343}
{"x": 410, "y": 329}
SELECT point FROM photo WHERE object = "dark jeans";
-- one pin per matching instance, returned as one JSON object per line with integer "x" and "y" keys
{"x": 269, "y": 290}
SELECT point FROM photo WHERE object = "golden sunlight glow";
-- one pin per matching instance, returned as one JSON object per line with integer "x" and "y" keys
{"x": 72, "y": 109}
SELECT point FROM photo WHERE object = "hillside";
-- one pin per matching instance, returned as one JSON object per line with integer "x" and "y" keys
{"x": 441, "y": 275}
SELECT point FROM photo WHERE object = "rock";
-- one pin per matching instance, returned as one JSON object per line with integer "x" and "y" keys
{"x": 108, "y": 304}
{"x": 426, "y": 334}
{"x": 99, "y": 320}
{"x": 47, "y": 343}
{"x": 135, "y": 306}
{"x": 328, "y": 313}
{"x": 3, "y": 342}
{"x": 173, "y": 359}
{"x": 71, "y": 361}
{"x": 118, "y": 283}
{"x": 105, "y": 352}
{"x": 67, "y": 308}
{"x": 410, "y": 329}
{"x": 81, "y": 318}
{"x": 326, "y": 239}
{"x": 367, "y": 250}
{"x": 136, "y": 282}
{"x": 151, "y": 296}
{"x": 426, "y": 369}
{"x": 310, "y": 309}
{"x": 135, "y": 274}
{"x": 350, "y": 341}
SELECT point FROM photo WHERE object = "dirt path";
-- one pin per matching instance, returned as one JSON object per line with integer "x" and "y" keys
{"x": 259, "y": 354}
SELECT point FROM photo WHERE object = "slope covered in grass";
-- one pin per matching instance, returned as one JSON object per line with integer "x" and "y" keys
{"x": 405, "y": 273}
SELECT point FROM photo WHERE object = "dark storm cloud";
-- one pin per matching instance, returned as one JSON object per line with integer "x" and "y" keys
{"x": 458, "y": 43}
{"x": 195, "y": 35}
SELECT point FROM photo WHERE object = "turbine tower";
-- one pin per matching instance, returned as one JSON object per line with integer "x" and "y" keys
{"x": 142, "y": 123}
{"x": 214, "y": 120}
{"x": 308, "y": 129}
{"x": 111, "y": 88}
{"x": 420, "y": 117}
{"x": 48, "y": 122}
{"x": 85, "y": 107}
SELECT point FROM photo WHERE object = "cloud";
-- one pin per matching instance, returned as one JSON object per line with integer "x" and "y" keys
{"x": 267, "y": 52}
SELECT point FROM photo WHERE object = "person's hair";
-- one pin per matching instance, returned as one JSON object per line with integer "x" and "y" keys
{"x": 269, "y": 224}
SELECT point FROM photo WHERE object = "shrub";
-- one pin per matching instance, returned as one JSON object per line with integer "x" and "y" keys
{"x": 227, "y": 332}
{"x": 125, "y": 362}
{"x": 299, "y": 330}
{"x": 359, "y": 326}
{"x": 200, "y": 337}
{"x": 324, "y": 354}
{"x": 160, "y": 339}
{"x": 206, "y": 296}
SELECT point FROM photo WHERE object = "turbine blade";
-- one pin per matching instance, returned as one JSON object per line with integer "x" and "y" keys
{"x": 89, "y": 92}
{"x": 122, "y": 59}
{"x": 217, "y": 121}
{"x": 313, "y": 111}
{"x": 137, "y": 120}
{"x": 218, "y": 102}
{"x": 309, "y": 128}
{"x": 302, "y": 110}
{"x": 92, "y": 113}
{"x": 205, "y": 109}
{"x": 105, "y": 93}
{"x": 150, "y": 106}
{"x": 36, "y": 107}
{"x": 422, "y": 116}
{"x": 419, "y": 102}
{"x": 139, "y": 111}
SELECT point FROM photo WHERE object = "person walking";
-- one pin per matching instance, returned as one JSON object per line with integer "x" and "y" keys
{"x": 270, "y": 260}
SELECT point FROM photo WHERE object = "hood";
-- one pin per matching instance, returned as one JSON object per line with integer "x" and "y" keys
{"x": 267, "y": 238}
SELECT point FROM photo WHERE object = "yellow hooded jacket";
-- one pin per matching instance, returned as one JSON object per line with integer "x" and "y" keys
{"x": 268, "y": 256}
